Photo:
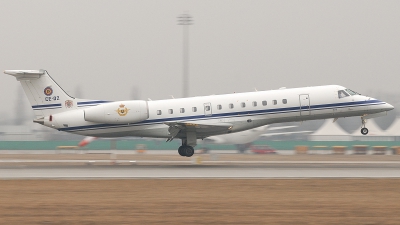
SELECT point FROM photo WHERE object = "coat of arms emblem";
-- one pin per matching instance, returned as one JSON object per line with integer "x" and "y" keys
{"x": 69, "y": 104}
{"x": 122, "y": 110}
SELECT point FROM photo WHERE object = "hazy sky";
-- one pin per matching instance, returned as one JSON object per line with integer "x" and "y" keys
{"x": 106, "y": 48}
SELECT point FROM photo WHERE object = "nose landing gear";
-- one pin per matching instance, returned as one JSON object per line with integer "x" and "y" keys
{"x": 364, "y": 130}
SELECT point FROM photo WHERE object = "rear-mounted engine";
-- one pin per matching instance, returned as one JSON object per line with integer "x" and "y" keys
{"x": 118, "y": 112}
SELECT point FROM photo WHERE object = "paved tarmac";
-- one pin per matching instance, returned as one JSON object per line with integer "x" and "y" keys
{"x": 142, "y": 170}
{"x": 165, "y": 164}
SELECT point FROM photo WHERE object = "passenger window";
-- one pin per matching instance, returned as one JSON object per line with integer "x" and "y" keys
{"x": 182, "y": 110}
{"x": 284, "y": 101}
{"x": 275, "y": 102}
{"x": 158, "y": 112}
{"x": 208, "y": 108}
{"x": 231, "y": 106}
{"x": 170, "y": 111}
{"x": 243, "y": 104}
{"x": 254, "y": 104}
{"x": 264, "y": 103}
{"x": 194, "y": 109}
{"x": 342, "y": 94}
{"x": 219, "y": 107}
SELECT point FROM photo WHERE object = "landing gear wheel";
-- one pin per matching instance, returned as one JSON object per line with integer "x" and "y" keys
{"x": 364, "y": 131}
{"x": 186, "y": 150}
{"x": 181, "y": 151}
{"x": 189, "y": 151}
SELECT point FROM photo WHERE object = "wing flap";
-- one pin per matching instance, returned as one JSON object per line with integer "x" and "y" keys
{"x": 185, "y": 125}
{"x": 176, "y": 127}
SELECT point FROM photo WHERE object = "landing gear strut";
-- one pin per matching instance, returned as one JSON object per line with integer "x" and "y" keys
{"x": 186, "y": 150}
{"x": 364, "y": 130}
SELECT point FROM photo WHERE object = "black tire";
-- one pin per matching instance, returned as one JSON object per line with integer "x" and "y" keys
{"x": 181, "y": 151}
{"x": 189, "y": 151}
{"x": 364, "y": 131}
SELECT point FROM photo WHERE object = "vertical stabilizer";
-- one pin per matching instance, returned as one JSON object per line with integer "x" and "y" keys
{"x": 44, "y": 94}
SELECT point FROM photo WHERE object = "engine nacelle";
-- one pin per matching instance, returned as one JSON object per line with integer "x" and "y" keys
{"x": 118, "y": 112}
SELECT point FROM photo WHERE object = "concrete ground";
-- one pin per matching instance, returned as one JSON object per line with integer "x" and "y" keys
{"x": 149, "y": 198}
{"x": 201, "y": 201}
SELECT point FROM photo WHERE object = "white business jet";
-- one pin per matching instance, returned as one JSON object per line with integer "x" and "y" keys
{"x": 190, "y": 119}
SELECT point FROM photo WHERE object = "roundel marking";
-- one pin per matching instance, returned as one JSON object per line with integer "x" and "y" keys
{"x": 48, "y": 91}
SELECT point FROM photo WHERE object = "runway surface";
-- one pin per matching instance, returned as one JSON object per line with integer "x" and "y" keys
{"x": 217, "y": 170}
{"x": 116, "y": 165}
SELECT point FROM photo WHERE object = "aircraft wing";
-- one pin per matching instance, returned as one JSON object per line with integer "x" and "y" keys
{"x": 176, "y": 127}
{"x": 286, "y": 133}
{"x": 200, "y": 127}
{"x": 281, "y": 127}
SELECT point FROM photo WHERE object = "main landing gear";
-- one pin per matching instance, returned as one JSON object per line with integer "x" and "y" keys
{"x": 186, "y": 150}
{"x": 364, "y": 130}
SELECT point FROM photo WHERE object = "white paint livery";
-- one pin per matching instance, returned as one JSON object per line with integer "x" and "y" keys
{"x": 118, "y": 112}
{"x": 190, "y": 119}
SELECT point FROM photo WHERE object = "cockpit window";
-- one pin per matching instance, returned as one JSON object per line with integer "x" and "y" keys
{"x": 342, "y": 94}
{"x": 352, "y": 92}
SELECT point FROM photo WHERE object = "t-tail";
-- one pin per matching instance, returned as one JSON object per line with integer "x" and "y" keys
{"x": 44, "y": 94}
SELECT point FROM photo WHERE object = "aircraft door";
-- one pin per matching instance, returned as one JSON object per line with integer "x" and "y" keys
{"x": 207, "y": 109}
{"x": 304, "y": 105}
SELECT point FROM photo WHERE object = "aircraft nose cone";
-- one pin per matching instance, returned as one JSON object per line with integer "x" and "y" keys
{"x": 388, "y": 107}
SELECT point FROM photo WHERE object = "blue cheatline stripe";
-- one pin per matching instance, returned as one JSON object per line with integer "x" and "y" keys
{"x": 91, "y": 103}
{"x": 225, "y": 115}
{"x": 47, "y": 106}
{"x": 58, "y": 105}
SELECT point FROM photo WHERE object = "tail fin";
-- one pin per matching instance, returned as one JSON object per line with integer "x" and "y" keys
{"x": 44, "y": 94}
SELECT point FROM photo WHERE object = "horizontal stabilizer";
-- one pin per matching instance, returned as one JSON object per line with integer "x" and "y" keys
{"x": 25, "y": 74}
